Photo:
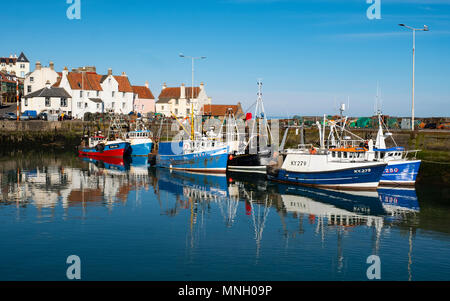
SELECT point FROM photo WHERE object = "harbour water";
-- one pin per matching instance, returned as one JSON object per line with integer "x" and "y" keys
{"x": 128, "y": 222}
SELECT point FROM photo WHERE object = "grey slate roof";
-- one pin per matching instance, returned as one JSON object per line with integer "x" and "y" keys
{"x": 50, "y": 92}
{"x": 22, "y": 58}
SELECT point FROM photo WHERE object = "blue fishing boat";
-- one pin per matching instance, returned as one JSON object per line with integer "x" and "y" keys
{"x": 399, "y": 170}
{"x": 197, "y": 156}
{"x": 140, "y": 141}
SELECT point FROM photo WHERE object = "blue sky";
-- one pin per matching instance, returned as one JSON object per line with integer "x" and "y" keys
{"x": 311, "y": 55}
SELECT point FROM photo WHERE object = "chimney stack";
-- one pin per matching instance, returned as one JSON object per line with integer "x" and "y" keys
{"x": 124, "y": 74}
{"x": 146, "y": 84}
{"x": 164, "y": 86}
{"x": 202, "y": 86}
{"x": 183, "y": 91}
{"x": 52, "y": 66}
{"x": 38, "y": 65}
{"x": 109, "y": 71}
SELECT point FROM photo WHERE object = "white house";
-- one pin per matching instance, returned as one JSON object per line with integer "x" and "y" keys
{"x": 180, "y": 100}
{"x": 19, "y": 66}
{"x": 37, "y": 79}
{"x": 53, "y": 100}
{"x": 95, "y": 93}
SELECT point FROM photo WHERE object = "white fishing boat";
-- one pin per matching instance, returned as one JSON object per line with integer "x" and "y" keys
{"x": 339, "y": 168}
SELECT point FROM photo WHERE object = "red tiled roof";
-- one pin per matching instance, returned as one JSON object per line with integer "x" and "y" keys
{"x": 176, "y": 92}
{"x": 219, "y": 110}
{"x": 58, "y": 81}
{"x": 143, "y": 92}
{"x": 89, "y": 80}
{"x": 4, "y": 78}
{"x": 124, "y": 84}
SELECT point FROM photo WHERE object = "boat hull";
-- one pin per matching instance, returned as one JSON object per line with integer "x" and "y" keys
{"x": 400, "y": 173}
{"x": 246, "y": 163}
{"x": 110, "y": 150}
{"x": 210, "y": 161}
{"x": 363, "y": 177}
{"x": 141, "y": 149}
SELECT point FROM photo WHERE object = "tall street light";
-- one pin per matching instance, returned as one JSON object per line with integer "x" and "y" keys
{"x": 425, "y": 28}
{"x": 193, "y": 59}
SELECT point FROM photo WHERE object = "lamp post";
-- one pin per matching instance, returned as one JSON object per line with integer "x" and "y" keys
{"x": 193, "y": 59}
{"x": 425, "y": 28}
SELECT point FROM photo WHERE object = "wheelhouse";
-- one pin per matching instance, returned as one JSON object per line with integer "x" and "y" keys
{"x": 347, "y": 154}
{"x": 139, "y": 135}
{"x": 394, "y": 153}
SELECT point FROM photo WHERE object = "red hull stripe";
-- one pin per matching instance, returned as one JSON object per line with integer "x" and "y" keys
{"x": 108, "y": 153}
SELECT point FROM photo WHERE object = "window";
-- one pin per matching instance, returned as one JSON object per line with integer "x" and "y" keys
{"x": 112, "y": 104}
{"x": 113, "y": 93}
{"x": 345, "y": 154}
{"x": 123, "y": 94}
{"x": 47, "y": 102}
{"x": 79, "y": 104}
{"x": 188, "y": 111}
{"x": 333, "y": 154}
{"x": 123, "y": 105}
{"x": 81, "y": 94}
{"x": 22, "y": 74}
{"x": 98, "y": 106}
{"x": 98, "y": 93}
{"x": 339, "y": 154}
{"x": 85, "y": 105}
{"x": 26, "y": 102}
{"x": 63, "y": 102}
{"x": 29, "y": 89}
{"x": 176, "y": 111}
{"x": 177, "y": 102}
{"x": 31, "y": 79}
{"x": 22, "y": 66}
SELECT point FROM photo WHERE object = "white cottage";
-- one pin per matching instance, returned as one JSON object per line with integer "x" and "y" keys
{"x": 53, "y": 100}
{"x": 180, "y": 100}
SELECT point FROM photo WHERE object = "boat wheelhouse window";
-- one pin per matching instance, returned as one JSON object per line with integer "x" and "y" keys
{"x": 376, "y": 155}
{"x": 351, "y": 155}
{"x": 333, "y": 154}
{"x": 382, "y": 155}
{"x": 345, "y": 154}
{"x": 339, "y": 154}
{"x": 390, "y": 154}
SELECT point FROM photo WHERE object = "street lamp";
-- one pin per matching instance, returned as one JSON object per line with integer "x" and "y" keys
{"x": 192, "y": 58}
{"x": 425, "y": 28}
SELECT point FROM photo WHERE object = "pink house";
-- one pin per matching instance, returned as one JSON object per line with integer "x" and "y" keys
{"x": 144, "y": 101}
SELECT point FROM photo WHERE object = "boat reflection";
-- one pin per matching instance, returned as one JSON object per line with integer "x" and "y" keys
{"x": 399, "y": 200}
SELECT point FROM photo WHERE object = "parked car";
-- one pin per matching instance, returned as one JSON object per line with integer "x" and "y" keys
{"x": 43, "y": 116}
{"x": 9, "y": 116}
{"x": 29, "y": 114}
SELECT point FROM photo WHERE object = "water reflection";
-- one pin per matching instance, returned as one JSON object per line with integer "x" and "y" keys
{"x": 211, "y": 202}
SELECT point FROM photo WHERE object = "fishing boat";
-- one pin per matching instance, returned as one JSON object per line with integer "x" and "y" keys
{"x": 339, "y": 168}
{"x": 399, "y": 170}
{"x": 252, "y": 155}
{"x": 196, "y": 154}
{"x": 200, "y": 155}
{"x": 100, "y": 146}
{"x": 140, "y": 141}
